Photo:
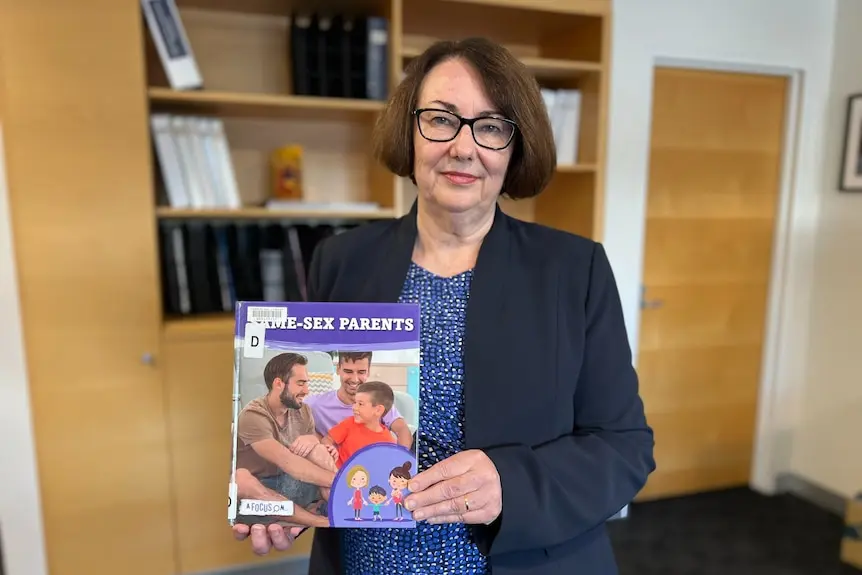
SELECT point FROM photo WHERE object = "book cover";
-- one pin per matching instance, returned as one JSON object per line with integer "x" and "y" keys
{"x": 325, "y": 412}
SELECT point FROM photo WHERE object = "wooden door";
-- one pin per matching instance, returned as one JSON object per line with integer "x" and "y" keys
{"x": 83, "y": 223}
{"x": 715, "y": 163}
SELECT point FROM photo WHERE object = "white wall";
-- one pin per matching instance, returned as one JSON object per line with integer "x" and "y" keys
{"x": 796, "y": 34}
{"x": 827, "y": 446}
{"x": 20, "y": 509}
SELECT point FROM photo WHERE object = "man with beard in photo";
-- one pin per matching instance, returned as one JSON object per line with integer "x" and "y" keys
{"x": 267, "y": 426}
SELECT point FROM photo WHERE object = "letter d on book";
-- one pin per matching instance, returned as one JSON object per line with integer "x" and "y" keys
{"x": 255, "y": 334}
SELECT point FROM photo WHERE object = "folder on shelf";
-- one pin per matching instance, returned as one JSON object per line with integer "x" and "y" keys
{"x": 206, "y": 267}
{"x": 195, "y": 162}
{"x": 328, "y": 66}
{"x": 550, "y": 99}
{"x": 227, "y": 289}
{"x": 564, "y": 109}
{"x": 188, "y": 160}
{"x": 175, "y": 286}
{"x": 202, "y": 161}
{"x": 377, "y": 84}
{"x": 169, "y": 159}
{"x": 203, "y": 269}
{"x": 243, "y": 240}
{"x": 339, "y": 56}
{"x": 568, "y": 106}
{"x": 278, "y": 267}
{"x": 212, "y": 139}
{"x": 172, "y": 44}
{"x": 300, "y": 54}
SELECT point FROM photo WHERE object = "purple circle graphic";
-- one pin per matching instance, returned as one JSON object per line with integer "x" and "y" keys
{"x": 365, "y": 492}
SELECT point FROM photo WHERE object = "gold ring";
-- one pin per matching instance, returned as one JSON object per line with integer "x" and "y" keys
{"x": 466, "y": 504}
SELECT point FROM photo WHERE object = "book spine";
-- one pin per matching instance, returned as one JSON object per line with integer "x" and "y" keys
{"x": 376, "y": 64}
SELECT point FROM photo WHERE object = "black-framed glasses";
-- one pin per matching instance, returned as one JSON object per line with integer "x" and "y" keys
{"x": 442, "y": 126}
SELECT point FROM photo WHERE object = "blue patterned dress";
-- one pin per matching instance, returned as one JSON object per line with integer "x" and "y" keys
{"x": 428, "y": 549}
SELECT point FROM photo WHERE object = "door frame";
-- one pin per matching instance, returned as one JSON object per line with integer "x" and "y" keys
{"x": 770, "y": 441}
{"x": 23, "y": 539}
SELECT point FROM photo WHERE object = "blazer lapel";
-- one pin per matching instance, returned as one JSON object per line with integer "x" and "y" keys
{"x": 386, "y": 277}
{"x": 483, "y": 339}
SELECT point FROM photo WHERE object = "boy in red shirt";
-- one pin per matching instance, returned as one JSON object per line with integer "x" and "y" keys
{"x": 374, "y": 399}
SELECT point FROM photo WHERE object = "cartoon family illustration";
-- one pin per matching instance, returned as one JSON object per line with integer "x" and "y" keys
{"x": 358, "y": 479}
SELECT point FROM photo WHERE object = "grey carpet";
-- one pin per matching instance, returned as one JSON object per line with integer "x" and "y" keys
{"x": 730, "y": 532}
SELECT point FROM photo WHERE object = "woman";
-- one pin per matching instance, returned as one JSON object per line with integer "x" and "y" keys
{"x": 522, "y": 338}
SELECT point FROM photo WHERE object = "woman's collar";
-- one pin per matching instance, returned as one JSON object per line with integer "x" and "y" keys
{"x": 392, "y": 264}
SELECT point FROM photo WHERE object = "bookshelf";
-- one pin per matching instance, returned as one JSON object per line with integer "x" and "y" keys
{"x": 268, "y": 214}
{"x": 238, "y": 104}
{"x": 243, "y": 51}
{"x": 89, "y": 223}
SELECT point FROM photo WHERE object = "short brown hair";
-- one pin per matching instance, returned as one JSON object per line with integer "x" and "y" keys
{"x": 281, "y": 366}
{"x": 511, "y": 87}
{"x": 380, "y": 393}
{"x": 353, "y": 356}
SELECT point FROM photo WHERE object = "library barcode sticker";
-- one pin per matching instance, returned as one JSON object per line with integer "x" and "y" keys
{"x": 263, "y": 508}
{"x": 270, "y": 315}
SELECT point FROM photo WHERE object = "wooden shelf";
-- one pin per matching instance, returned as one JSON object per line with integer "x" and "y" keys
{"x": 260, "y": 105}
{"x": 576, "y": 168}
{"x": 554, "y": 69}
{"x": 593, "y": 7}
{"x": 542, "y": 68}
{"x": 264, "y": 213}
{"x": 285, "y": 7}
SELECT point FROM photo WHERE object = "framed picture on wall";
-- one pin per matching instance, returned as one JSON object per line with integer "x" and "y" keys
{"x": 851, "y": 162}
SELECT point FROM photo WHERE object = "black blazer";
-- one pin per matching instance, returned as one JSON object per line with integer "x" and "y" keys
{"x": 551, "y": 395}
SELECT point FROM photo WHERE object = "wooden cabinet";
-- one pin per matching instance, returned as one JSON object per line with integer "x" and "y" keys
{"x": 198, "y": 368}
{"x": 79, "y": 180}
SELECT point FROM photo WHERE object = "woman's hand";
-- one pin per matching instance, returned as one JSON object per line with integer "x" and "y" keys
{"x": 263, "y": 538}
{"x": 464, "y": 488}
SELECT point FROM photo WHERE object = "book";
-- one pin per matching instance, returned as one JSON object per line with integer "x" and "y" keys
{"x": 325, "y": 413}
{"x": 172, "y": 44}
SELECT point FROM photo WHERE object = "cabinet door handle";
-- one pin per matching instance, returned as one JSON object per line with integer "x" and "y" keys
{"x": 649, "y": 304}
{"x": 148, "y": 359}
{"x": 654, "y": 304}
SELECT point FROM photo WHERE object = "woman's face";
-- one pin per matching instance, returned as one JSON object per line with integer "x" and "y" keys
{"x": 359, "y": 480}
{"x": 397, "y": 482}
{"x": 457, "y": 176}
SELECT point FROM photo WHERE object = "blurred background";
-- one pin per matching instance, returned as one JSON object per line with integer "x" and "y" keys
{"x": 160, "y": 160}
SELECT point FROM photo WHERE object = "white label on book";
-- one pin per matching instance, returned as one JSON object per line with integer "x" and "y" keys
{"x": 255, "y": 336}
{"x": 260, "y": 507}
{"x": 271, "y": 316}
{"x": 377, "y": 37}
{"x": 231, "y": 502}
